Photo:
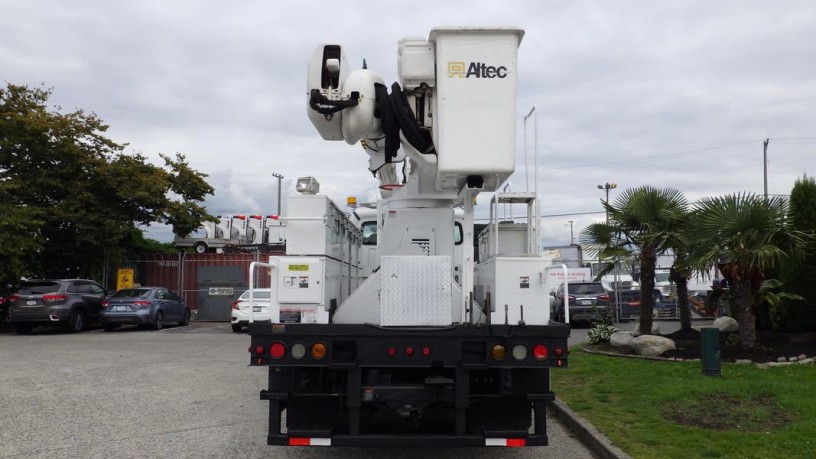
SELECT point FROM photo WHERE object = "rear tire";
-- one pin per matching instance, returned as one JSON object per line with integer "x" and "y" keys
{"x": 186, "y": 319}
{"x": 236, "y": 328}
{"x": 158, "y": 323}
{"x": 76, "y": 322}
{"x": 200, "y": 247}
{"x": 23, "y": 329}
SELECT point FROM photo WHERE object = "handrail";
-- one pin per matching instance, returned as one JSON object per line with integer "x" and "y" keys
{"x": 252, "y": 267}
{"x": 566, "y": 294}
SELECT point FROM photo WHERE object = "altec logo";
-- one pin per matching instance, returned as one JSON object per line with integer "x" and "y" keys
{"x": 476, "y": 70}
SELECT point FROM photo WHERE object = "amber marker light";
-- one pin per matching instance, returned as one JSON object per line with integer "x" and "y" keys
{"x": 318, "y": 351}
{"x": 498, "y": 352}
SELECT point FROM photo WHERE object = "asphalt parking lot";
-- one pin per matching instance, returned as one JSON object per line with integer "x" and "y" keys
{"x": 176, "y": 393}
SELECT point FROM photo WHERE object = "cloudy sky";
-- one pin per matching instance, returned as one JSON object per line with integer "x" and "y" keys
{"x": 671, "y": 94}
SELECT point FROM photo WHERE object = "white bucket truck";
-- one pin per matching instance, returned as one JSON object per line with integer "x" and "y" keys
{"x": 411, "y": 347}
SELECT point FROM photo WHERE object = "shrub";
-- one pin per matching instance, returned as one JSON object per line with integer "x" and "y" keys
{"x": 602, "y": 328}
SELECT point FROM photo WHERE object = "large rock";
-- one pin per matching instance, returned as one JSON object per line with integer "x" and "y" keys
{"x": 726, "y": 324}
{"x": 621, "y": 339}
{"x": 655, "y": 329}
{"x": 651, "y": 345}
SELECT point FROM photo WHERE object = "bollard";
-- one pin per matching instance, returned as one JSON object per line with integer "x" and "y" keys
{"x": 710, "y": 342}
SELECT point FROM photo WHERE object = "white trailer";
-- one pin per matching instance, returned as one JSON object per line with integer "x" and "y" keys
{"x": 213, "y": 236}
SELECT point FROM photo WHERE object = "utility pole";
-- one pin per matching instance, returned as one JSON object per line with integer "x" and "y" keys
{"x": 765, "y": 165}
{"x": 572, "y": 239}
{"x": 279, "y": 177}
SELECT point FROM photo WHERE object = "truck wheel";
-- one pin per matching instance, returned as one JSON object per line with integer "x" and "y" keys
{"x": 76, "y": 322}
{"x": 236, "y": 328}
{"x": 158, "y": 323}
{"x": 200, "y": 247}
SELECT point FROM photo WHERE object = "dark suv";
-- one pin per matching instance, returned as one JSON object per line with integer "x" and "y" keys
{"x": 69, "y": 303}
{"x": 585, "y": 300}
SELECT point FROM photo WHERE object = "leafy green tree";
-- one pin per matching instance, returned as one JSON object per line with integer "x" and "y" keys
{"x": 645, "y": 221}
{"x": 799, "y": 274}
{"x": 746, "y": 235}
{"x": 71, "y": 197}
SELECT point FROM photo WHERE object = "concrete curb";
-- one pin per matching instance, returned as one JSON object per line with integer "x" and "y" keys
{"x": 586, "y": 432}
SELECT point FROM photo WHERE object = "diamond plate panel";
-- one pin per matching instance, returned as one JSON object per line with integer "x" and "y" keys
{"x": 415, "y": 291}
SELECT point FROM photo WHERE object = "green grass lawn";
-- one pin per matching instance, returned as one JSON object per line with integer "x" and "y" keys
{"x": 664, "y": 409}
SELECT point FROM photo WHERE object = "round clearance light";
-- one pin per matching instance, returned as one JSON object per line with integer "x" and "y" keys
{"x": 540, "y": 352}
{"x": 318, "y": 351}
{"x": 392, "y": 351}
{"x": 519, "y": 352}
{"x": 559, "y": 352}
{"x": 409, "y": 351}
{"x": 498, "y": 352}
{"x": 298, "y": 351}
{"x": 426, "y": 351}
{"x": 277, "y": 350}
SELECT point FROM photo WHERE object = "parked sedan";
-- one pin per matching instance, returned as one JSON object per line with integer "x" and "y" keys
{"x": 241, "y": 308}
{"x": 4, "y": 305}
{"x": 69, "y": 303}
{"x": 144, "y": 306}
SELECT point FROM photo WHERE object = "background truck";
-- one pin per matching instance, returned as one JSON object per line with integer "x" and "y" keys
{"x": 426, "y": 348}
{"x": 212, "y": 236}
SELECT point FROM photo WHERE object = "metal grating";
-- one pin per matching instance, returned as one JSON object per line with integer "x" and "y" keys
{"x": 415, "y": 290}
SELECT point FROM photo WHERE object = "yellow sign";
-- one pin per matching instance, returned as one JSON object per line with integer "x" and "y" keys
{"x": 298, "y": 267}
{"x": 124, "y": 278}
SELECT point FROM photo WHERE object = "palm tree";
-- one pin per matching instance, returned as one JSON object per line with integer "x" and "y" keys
{"x": 644, "y": 221}
{"x": 746, "y": 235}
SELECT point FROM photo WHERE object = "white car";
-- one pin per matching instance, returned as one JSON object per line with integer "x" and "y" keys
{"x": 260, "y": 308}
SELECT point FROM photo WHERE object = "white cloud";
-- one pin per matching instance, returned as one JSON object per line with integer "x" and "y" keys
{"x": 631, "y": 92}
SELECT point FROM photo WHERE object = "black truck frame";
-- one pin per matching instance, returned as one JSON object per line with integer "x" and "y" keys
{"x": 367, "y": 385}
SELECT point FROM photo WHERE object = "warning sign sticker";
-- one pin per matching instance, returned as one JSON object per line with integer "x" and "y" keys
{"x": 298, "y": 316}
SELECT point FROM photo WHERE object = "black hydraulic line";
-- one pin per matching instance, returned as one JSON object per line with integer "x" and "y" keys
{"x": 325, "y": 106}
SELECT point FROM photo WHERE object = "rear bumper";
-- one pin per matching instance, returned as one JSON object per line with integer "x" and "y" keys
{"x": 38, "y": 318}
{"x": 239, "y": 318}
{"x": 409, "y": 441}
{"x": 126, "y": 318}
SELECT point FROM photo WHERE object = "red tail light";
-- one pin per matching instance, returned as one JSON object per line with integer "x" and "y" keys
{"x": 105, "y": 304}
{"x": 426, "y": 351}
{"x": 409, "y": 351}
{"x": 3, "y": 300}
{"x": 540, "y": 352}
{"x": 277, "y": 350}
{"x": 603, "y": 297}
{"x": 141, "y": 304}
{"x": 54, "y": 297}
{"x": 392, "y": 351}
{"x": 235, "y": 304}
{"x": 570, "y": 297}
{"x": 13, "y": 298}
